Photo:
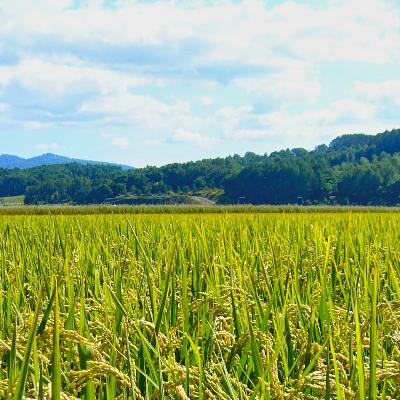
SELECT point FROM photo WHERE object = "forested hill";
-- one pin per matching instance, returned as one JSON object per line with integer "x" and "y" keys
{"x": 353, "y": 169}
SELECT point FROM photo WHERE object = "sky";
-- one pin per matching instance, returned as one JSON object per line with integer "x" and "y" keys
{"x": 154, "y": 82}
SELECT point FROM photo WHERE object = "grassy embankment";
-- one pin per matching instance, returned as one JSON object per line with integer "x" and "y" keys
{"x": 190, "y": 209}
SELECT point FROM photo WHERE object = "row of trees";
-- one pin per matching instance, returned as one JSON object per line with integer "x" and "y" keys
{"x": 353, "y": 169}
{"x": 313, "y": 180}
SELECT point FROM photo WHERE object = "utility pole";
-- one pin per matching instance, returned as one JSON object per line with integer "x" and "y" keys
{"x": 242, "y": 198}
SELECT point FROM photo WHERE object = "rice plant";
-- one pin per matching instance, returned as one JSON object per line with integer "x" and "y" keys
{"x": 200, "y": 306}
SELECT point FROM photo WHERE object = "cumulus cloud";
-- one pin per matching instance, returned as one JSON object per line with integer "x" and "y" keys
{"x": 386, "y": 91}
{"x": 192, "y": 138}
{"x": 3, "y": 107}
{"x": 308, "y": 128}
{"x": 67, "y": 75}
{"x": 120, "y": 142}
{"x": 230, "y": 117}
{"x": 206, "y": 101}
{"x": 48, "y": 146}
{"x": 228, "y": 32}
{"x": 141, "y": 111}
{"x": 289, "y": 85}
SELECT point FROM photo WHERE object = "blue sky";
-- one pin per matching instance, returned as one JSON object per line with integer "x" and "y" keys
{"x": 153, "y": 82}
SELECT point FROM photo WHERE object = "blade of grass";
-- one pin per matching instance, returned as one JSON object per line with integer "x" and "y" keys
{"x": 56, "y": 365}
{"x": 23, "y": 375}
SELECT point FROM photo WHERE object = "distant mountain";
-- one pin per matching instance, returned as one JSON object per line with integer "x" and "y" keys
{"x": 9, "y": 161}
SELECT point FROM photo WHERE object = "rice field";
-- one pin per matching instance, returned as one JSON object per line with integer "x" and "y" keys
{"x": 200, "y": 306}
{"x": 189, "y": 209}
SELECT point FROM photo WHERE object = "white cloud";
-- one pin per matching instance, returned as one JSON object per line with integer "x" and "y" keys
{"x": 67, "y": 75}
{"x": 140, "y": 110}
{"x": 351, "y": 30}
{"x": 305, "y": 128}
{"x": 253, "y": 134}
{"x": 3, "y": 112}
{"x": 48, "y": 146}
{"x": 153, "y": 142}
{"x": 120, "y": 142}
{"x": 363, "y": 30}
{"x": 230, "y": 117}
{"x": 31, "y": 124}
{"x": 293, "y": 84}
{"x": 193, "y": 138}
{"x": 385, "y": 92}
{"x": 3, "y": 107}
{"x": 124, "y": 104}
{"x": 207, "y": 101}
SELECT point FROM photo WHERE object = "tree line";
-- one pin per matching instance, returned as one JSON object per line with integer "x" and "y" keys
{"x": 352, "y": 169}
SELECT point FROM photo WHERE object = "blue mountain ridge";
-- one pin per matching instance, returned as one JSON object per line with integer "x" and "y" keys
{"x": 9, "y": 161}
